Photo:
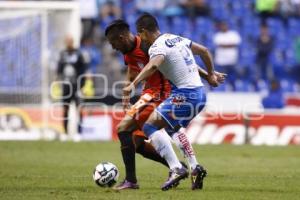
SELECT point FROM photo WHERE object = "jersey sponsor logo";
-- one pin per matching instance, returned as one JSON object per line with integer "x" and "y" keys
{"x": 172, "y": 42}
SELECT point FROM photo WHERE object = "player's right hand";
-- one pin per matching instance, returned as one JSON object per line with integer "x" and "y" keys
{"x": 126, "y": 102}
{"x": 126, "y": 96}
{"x": 220, "y": 77}
{"x": 216, "y": 78}
{"x": 212, "y": 79}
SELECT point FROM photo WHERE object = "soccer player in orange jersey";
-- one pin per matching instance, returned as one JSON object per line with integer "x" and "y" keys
{"x": 156, "y": 89}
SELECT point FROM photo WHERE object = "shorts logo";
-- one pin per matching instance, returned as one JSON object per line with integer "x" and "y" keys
{"x": 178, "y": 100}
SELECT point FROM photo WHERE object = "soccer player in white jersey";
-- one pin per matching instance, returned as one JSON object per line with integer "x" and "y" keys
{"x": 173, "y": 56}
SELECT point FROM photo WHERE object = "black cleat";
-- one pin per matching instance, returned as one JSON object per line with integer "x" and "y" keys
{"x": 197, "y": 176}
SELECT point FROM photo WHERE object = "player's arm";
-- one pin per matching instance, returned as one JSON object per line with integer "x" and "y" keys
{"x": 202, "y": 72}
{"x": 147, "y": 71}
{"x": 131, "y": 74}
{"x": 205, "y": 55}
{"x": 220, "y": 77}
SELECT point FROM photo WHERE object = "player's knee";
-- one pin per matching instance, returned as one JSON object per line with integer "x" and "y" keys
{"x": 149, "y": 129}
{"x": 120, "y": 128}
{"x": 126, "y": 125}
{"x": 139, "y": 143}
{"x": 139, "y": 149}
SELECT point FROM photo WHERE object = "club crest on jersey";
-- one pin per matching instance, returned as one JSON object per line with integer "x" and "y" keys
{"x": 178, "y": 100}
{"x": 141, "y": 65}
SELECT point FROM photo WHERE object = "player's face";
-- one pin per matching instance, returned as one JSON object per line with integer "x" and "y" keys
{"x": 69, "y": 42}
{"x": 120, "y": 43}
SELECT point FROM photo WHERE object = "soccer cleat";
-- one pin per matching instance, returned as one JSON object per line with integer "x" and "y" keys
{"x": 126, "y": 185}
{"x": 197, "y": 176}
{"x": 170, "y": 173}
{"x": 175, "y": 176}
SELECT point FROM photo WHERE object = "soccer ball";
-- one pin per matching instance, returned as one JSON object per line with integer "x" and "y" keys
{"x": 106, "y": 174}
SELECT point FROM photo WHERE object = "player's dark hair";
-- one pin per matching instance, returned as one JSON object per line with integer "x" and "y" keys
{"x": 117, "y": 26}
{"x": 147, "y": 22}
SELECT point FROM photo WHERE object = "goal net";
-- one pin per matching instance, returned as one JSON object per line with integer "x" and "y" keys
{"x": 32, "y": 35}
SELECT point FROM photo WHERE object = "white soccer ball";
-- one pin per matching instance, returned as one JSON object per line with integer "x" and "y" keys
{"x": 106, "y": 174}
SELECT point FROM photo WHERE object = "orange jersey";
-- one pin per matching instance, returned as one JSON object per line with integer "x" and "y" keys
{"x": 156, "y": 84}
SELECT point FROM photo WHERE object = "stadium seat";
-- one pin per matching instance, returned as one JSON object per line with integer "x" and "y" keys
{"x": 294, "y": 27}
{"x": 243, "y": 86}
{"x": 275, "y": 25}
{"x": 277, "y": 57}
{"x": 163, "y": 23}
{"x": 288, "y": 85}
{"x": 225, "y": 87}
{"x": 262, "y": 86}
{"x": 282, "y": 42}
{"x": 250, "y": 26}
{"x": 180, "y": 24}
{"x": 247, "y": 55}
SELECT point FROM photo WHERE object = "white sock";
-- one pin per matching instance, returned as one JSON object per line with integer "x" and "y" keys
{"x": 162, "y": 144}
{"x": 185, "y": 147}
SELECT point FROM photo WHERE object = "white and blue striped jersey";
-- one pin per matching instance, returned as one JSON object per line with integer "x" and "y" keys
{"x": 179, "y": 66}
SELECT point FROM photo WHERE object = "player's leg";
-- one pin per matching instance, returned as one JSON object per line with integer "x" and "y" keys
{"x": 148, "y": 151}
{"x": 145, "y": 148}
{"x": 162, "y": 144}
{"x": 79, "y": 104}
{"x": 185, "y": 113}
{"x": 66, "y": 117}
{"x": 179, "y": 110}
{"x": 198, "y": 173}
{"x": 183, "y": 144}
{"x": 125, "y": 129}
{"x": 66, "y": 100}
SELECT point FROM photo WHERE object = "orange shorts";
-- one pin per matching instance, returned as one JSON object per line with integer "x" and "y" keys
{"x": 141, "y": 110}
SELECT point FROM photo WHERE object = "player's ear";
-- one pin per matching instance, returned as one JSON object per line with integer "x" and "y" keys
{"x": 121, "y": 37}
{"x": 140, "y": 31}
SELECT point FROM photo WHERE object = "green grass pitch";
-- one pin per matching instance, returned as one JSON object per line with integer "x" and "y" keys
{"x": 54, "y": 170}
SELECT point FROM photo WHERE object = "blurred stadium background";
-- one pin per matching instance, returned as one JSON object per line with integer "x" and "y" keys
{"x": 259, "y": 103}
